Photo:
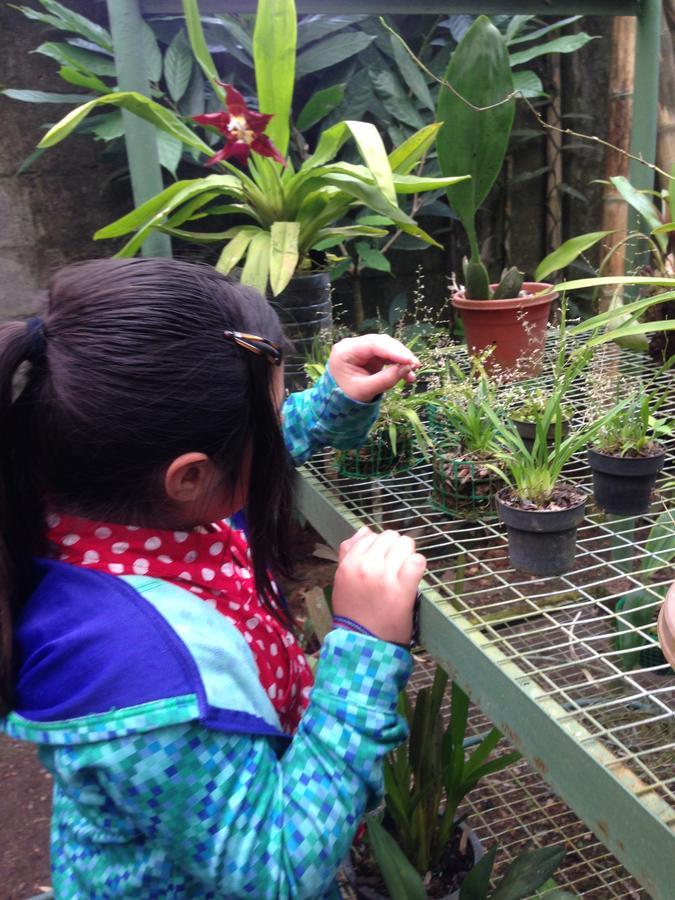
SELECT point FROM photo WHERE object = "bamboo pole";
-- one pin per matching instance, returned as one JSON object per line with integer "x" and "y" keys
{"x": 554, "y": 160}
{"x": 620, "y": 110}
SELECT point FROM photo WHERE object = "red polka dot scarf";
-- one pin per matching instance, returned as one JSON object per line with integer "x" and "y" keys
{"x": 211, "y": 562}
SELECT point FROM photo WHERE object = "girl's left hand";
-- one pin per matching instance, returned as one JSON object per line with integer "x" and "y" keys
{"x": 364, "y": 367}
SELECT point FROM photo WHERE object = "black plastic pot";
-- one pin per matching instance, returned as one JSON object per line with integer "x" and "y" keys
{"x": 622, "y": 485}
{"x": 541, "y": 542}
{"x": 528, "y": 432}
{"x": 305, "y": 309}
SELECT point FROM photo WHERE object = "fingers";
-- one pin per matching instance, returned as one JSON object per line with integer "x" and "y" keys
{"x": 411, "y": 572}
{"x": 346, "y": 546}
{"x": 382, "y": 346}
{"x": 386, "y": 378}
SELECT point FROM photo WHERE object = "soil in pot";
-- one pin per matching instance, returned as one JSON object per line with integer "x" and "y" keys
{"x": 463, "y": 484}
{"x": 623, "y": 485}
{"x": 516, "y": 329}
{"x": 542, "y": 540}
{"x": 376, "y": 457}
{"x": 461, "y": 854}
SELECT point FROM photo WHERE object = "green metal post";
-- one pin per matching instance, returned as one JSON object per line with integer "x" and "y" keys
{"x": 126, "y": 25}
{"x": 645, "y": 93}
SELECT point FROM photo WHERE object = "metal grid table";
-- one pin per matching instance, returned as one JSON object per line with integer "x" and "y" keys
{"x": 537, "y": 655}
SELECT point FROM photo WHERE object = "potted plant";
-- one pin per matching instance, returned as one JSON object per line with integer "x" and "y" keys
{"x": 288, "y": 213}
{"x": 529, "y": 411}
{"x": 464, "y": 480}
{"x": 394, "y": 440}
{"x": 477, "y": 116}
{"x": 426, "y": 779}
{"x": 625, "y": 457}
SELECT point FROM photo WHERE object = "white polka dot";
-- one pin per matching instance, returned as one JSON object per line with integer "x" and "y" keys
{"x": 211, "y": 603}
{"x": 306, "y": 692}
{"x": 272, "y": 691}
{"x": 274, "y": 649}
{"x": 116, "y": 568}
{"x": 53, "y": 520}
{"x": 165, "y": 559}
{"x": 294, "y": 690}
{"x": 180, "y": 536}
{"x": 227, "y": 569}
{"x": 133, "y": 527}
{"x": 248, "y": 637}
{"x": 260, "y": 644}
{"x": 216, "y": 548}
{"x": 91, "y": 556}
{"x": 103, "y": 532}
{"x": 185, "y": 576}
{"x": 120, "y": 547}
{"x": 301, "y": 662}
{"x": 153, "y": 543}
{"x": 243, "y": 573}
{"x": 252, "y": 622}
{"x": 233, "y": 605}
{"x": 280, "y": 672}
{"x": 70, "y": 539}
{"x": 208, "y": 574}
{"x": 141, "y": 566}
{"x": 190, "y": 556}
{"x": 196, "y": 590}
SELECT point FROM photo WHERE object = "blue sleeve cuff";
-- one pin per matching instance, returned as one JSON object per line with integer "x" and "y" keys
{"x": 324, "y": 416}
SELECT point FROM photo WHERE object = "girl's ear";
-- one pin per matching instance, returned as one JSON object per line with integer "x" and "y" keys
{"x": 189, "y": 477}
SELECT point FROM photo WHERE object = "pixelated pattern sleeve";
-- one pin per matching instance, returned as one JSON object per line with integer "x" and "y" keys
{"x": 324, "y": 416}
{"x": 184, "y": 811}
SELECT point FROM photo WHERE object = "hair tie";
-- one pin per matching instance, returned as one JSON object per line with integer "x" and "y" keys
{"x": 37, "y": 342}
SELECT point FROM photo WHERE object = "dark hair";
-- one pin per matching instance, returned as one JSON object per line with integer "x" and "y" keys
{"x": 135, "y": 371}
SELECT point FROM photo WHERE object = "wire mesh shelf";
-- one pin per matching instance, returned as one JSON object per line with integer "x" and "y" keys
{"x": 538, "y": 655}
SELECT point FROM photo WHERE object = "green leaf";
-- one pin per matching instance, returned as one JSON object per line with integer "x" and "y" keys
{"x": 406, "y": 156}
{"x": 412, "y": 184}
{"x": 540, "y": 32}
{"x": 527, "y": 872}
{"x": 107, "y": 127}
{"x": 313, "y": 28}
{"x": 528, "y": 84}
{"x": 147, "y": 109}
{"x": 568, "y": 252}
{"x": 374, "y": 155}
{"x": 169, "y": 150}
{"x": 284, "y": 254}
{"x": 65, "y": 19}
{"x": 30, "y": 96}
{"x": 641, "y": 204}
{"x": 473, "y": 142}
{"x": 332, "y": 50}
{"x": 395, "y": 98}
{"x": 236, "y": 248}
{"x": 319, "y": 105}
{"x": 411, "y": 73}
{"x": 199, "y": 46}
{"x": 152, "y": 54}
{"x": 257, "y": 266}
{"x": 178, "y": 63}
{"x": 274, "y": 42}
{"x": 569, "y": 43}
{"x": 476, "y": 885}
{"x": 74, "y": 76}
{"x": 240, "y": 35}
{"x": 78, "y": 58}
{"x": 398, "y": 873}
{"x": 372, "y": 258}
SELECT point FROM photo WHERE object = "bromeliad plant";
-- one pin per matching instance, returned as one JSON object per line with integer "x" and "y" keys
{"x": 425, "y": 781}
{"x": 290, "y": 212}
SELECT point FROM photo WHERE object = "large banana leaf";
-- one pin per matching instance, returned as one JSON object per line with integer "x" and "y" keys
{"x": 274, "y": 41}
{"x": 474, "y": 142}
{"x": 147, "y": 109}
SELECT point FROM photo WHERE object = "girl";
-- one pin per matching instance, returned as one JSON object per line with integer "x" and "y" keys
{"x": 146, "y": 651}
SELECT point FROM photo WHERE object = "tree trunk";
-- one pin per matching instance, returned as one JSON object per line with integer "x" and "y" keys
{"x": 665, "y": 149}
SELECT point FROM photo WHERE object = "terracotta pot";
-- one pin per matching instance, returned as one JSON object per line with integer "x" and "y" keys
{"x": 515, "y": 328}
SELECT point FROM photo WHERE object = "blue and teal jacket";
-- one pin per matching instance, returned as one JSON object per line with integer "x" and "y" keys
{"x": 172, "y": 776}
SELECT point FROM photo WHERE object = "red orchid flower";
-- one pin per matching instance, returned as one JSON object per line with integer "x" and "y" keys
{"x": 242, "y": 129}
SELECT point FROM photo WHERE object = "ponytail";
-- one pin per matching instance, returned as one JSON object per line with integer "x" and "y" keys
{"x": 20, "y": 501}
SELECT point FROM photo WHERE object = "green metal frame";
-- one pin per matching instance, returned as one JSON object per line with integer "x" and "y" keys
{"x": 146, "y": 176}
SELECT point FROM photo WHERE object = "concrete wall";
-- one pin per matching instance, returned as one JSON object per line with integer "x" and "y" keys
{"x": 48, "y": 214}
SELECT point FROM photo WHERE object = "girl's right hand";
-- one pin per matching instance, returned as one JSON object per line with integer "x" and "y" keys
{"x": 376, "y": 583}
